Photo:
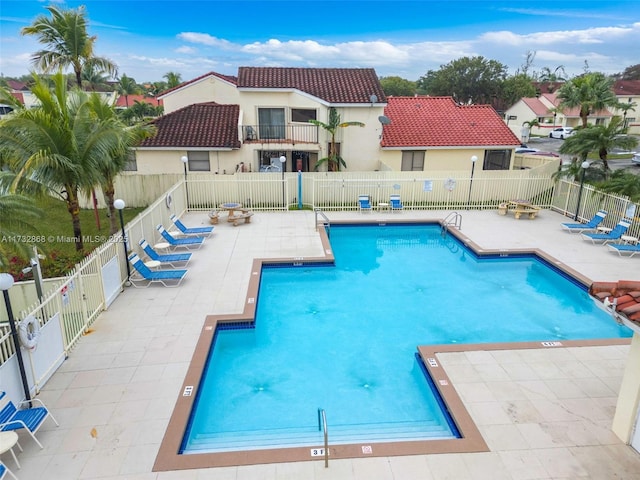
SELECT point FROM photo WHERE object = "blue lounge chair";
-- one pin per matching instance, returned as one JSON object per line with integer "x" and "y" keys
{"x": 364, "y": 203}
{"x": 396, "y": 203}
{"x": 145, "y": 276}
{"x": 173, "y": 259}
{"x": 614, "y": 234}
{"x": 590, "y": 225}
{"x": 4, "y": 471}
{"x": 198, "y": 231}
{"x": 191, "y": 242}
{"x": 625, "y": 248}
{"x": 29, "y": 419}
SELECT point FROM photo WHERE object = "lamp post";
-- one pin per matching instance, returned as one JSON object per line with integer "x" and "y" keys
{"x": 584, "y": 166}
{"x": 283, "y": 161}
{"x": 6, "y": 282}
{"x": 119, "y": 205}
{"x": 185, "y": 161}
{"x": 474, "y": 159}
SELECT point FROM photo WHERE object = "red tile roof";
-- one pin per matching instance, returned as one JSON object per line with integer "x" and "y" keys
{"x": 122, "y": 100}
{"x": 201, "y": 125}
{"x": 627, "y": 87}
{"x": 334, "y": 85}
{"x": 440, "y": 122}
{"x": 538, "y": 108}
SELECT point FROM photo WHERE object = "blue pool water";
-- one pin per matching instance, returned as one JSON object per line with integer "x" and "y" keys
{"x": 344, "y": 338}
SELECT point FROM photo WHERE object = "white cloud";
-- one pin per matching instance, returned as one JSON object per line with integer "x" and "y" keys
{"x": 205, "y": 39}
{"x": 588, "y": 36}
{"x": 186, "y": 50}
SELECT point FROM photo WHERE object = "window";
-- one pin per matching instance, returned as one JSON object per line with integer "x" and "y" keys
{"x": 199, "y": 161}
{"x": 302, "y": 115}
{"x": 131, "y": 165}
{"x": 412, "y": 161}
{"x": 271, "y": 123}
{"x": 496, "y": 160}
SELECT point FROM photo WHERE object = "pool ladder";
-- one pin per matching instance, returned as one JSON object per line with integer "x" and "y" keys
{"x": 322, "y": 425}
{"x": 454, "y": 219}
{"x": 325, "y": 221}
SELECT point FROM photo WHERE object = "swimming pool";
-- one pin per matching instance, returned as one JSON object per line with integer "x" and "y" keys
{"x": 343, "y": 338}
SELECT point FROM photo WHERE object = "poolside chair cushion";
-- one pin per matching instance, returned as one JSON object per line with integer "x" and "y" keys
{"x": 29, "y": 419}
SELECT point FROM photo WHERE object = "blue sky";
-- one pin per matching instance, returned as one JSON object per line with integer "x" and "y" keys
{"x": 147, "y": 39}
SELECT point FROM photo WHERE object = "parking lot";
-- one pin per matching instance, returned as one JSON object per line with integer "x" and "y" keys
{"x": 553, "y": 145}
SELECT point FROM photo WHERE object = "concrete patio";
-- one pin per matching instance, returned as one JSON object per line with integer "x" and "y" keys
{"x": 545, "y": 414}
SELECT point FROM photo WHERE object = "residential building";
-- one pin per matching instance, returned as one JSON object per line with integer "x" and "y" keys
{"x": 224, "y": 124}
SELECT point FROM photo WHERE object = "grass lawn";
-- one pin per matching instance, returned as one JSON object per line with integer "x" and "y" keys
{"x": 54, "y": 237}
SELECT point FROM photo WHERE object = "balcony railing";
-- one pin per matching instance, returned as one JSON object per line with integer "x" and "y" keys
{"x": 280, "y": 133}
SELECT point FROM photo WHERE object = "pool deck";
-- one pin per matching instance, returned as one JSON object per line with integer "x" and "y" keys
{"x": 543, "y": 413}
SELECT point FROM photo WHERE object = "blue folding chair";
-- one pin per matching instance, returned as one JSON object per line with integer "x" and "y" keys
{"x": 144, "y": 276}
{"x": 364, "y": 203}
{"x": 396, "y": 203}
{"x": 590, "y": 225}
{"x": 173, "y": 259}
{"x": 29, "y": 419}
{"x": 615, "y": 234}
{"x": 4, "y": 471}
{"x": 190, "y": 242}
{"x": 198, "y": 231}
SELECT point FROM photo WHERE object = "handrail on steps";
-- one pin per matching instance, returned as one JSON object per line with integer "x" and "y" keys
{"x": 326, "y": 222}
{"x": 322, "y": 425}
{"x": 453, "y": 219}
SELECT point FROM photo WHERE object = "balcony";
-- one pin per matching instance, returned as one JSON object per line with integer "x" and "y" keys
{"x": 279, "y": 133}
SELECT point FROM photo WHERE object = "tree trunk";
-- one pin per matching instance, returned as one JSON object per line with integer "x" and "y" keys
{"x": 73, "y": 207}
{"x": 109, "y": 194}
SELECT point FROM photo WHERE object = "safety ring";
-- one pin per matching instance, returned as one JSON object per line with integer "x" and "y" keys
{"x": 29, "y": 332}
{"x": 450, "y": 184}
{"x": 168, "y": 200}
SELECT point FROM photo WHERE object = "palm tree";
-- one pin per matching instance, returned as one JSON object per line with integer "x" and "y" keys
{"x": 127, "y": 86}
{"x": 333, "y": 160}
{"x": 173, "y": 79}
{"x": 93, "y": 79}
{"x": 57, "y": 147}
{"x": 67, "y": 43}
{"x": 124, "y": 138}
{"x": 601, "y": 139}
{"x": 18, "y": 213}
{"x": 590, "y": 92}
{"x": 622, "y": 183}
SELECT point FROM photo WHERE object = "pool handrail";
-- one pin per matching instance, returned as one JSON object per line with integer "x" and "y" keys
{"x": 322, "y": 424}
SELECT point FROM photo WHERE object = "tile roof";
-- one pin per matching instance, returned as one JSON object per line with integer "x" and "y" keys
{"x": 121, "y": 102}
{"x": 334, "y": 85}
{"x": 440, "y": 122}
{"x": 627, "y": 87}
{"x": 537, "y": 107}
{"x": 553, "y": 99}
{"x": 199, "y": 125}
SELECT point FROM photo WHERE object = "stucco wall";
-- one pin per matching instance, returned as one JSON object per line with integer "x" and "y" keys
{"x": 210, "y": 89}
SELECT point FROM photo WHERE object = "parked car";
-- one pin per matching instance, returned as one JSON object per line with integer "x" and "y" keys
{"x": 561, "y": 132}
{"x": 526, "y": 150}
{"x": 546, "y": 154}
{"x": 636, "y": 159}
